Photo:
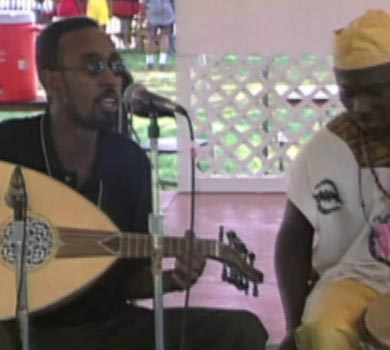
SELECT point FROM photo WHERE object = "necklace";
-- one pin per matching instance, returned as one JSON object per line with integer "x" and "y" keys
{"x": 379, "y": 185}
{"x": 47, "y": 163}
{"x": 374, "y": 239}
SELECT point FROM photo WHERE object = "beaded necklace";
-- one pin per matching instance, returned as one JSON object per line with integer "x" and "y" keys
{"x": 363, "y": 148}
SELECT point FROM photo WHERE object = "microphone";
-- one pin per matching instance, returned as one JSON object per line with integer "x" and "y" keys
{"x": 15, "y": 197}
{"x": 145, "y": 103}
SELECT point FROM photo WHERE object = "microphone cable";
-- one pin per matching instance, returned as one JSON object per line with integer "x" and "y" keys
{"x": 190, "y": 234}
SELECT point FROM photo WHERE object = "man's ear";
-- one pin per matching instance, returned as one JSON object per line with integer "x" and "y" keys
{"x": 52, "y": 82}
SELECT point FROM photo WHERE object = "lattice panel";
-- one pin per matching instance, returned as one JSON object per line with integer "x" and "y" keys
{"x": 256, "y": 111}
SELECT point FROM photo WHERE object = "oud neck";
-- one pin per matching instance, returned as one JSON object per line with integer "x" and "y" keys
{"x": 140, "y": 246}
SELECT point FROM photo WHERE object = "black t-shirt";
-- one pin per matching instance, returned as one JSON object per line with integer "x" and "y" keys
{"x": 123, "y": 169}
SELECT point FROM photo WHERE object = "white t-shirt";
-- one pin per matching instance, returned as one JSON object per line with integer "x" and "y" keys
{"x": 323, "y": 184}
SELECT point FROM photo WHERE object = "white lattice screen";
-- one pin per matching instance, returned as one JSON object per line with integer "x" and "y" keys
{"x": 255, "y": 111}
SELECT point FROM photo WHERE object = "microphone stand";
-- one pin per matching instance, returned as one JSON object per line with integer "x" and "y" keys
{"x": 156, "y": 228}
{"x": 19, "y": 204}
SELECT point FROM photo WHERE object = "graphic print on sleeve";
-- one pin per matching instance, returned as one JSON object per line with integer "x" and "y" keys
{"x": 327, "y": 197}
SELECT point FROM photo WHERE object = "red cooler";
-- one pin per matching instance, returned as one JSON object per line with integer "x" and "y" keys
{"x": 18, "y": 75}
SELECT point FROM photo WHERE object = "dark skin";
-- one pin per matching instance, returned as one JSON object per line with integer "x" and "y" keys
{"x": 293, "y": 267}
{"x": 81, "y": 104}
{"x": 365, "y": 94}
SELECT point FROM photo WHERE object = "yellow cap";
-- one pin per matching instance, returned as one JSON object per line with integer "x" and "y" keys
{"x": 364, "y": 43}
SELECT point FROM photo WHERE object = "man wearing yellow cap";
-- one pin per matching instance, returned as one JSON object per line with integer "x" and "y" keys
{"x": 337, "y": 218}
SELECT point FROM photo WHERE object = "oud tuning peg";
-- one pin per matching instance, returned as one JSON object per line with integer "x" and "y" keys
{"x": 240, "y": 282}
{"x": 252, "y": 258}
{"x": 231, "y": 235}
{"x": 224, "y": 273}
{"x": 236, "y": 258}
{"x": 234, "y": 275}
{"x": 245, "y": 284}
{"x": 236, "y": 242}
{"x": 221, "y": 234}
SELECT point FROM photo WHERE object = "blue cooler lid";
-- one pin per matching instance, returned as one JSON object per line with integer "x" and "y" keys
{"x": 16, "y": 17}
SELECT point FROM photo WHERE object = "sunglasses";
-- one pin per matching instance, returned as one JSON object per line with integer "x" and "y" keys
{"x": 96, "y": 66}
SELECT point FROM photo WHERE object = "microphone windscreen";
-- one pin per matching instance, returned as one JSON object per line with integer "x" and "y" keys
{"x": 132, "y": 92}
{"x": 140, "y": 102}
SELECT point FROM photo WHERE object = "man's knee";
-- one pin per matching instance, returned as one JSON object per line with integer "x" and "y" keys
{"x": 251, "y": 327}
{"x": 326, "y": 334}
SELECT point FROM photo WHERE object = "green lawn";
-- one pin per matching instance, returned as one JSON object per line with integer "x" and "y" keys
{"x": 162, "y": 83}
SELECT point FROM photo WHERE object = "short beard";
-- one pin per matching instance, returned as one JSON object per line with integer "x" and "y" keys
{"x": 92, "y": 123}
{"x": 89, "y": 122}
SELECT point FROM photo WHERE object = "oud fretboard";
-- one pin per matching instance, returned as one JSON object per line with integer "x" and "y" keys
{"x": 80, "y": 243}
{"x": 136, "y": 246}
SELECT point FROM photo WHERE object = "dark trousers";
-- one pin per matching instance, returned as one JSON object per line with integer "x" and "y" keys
{"x": 207, "y": 329}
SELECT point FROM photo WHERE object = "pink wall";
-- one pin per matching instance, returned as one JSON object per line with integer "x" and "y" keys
{"x": 272, "y": 26}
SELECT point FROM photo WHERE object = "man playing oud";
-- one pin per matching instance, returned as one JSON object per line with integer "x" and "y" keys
{"x": 72, "y": 142}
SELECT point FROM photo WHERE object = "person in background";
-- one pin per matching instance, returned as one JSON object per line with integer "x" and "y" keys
{"x": 172, "y": 36}
{"x": 43, "y": 11}
{"x": 332, "y": 251}
{"x": 160, "y": 19}
{"x": 125, "y": 10}
{"x": 74, "y": 143}
{"x": 100, "y": 11}
{"x": 70, "y": 8}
